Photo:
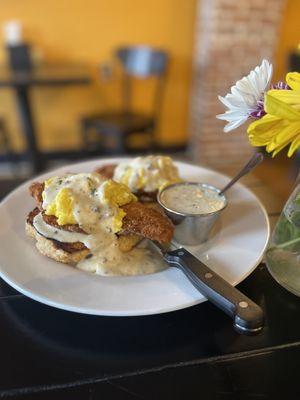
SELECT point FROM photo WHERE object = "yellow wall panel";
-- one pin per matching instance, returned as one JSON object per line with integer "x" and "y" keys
{"x": 289, "y": 37}
{"x": 88, "y": 31}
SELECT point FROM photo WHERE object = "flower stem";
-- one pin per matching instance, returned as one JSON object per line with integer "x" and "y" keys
{"x": 286, "y": 244}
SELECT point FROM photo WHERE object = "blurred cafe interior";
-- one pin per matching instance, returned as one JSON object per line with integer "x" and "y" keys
{"x": 80, "y": 80}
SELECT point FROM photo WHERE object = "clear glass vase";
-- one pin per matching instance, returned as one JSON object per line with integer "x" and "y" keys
{"x": 283, "y": 254}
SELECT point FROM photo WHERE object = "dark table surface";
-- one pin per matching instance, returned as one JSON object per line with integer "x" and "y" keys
{"x": 194, "y": 353}
{"x": 47, "y": 74}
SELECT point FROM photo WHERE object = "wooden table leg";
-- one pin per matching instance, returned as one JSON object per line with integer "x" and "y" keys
{"x": 25, "y": 112}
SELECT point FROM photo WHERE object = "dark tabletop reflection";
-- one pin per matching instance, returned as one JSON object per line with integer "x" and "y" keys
{"x": 63, "y": 347}
{"x": 103, "y": 341}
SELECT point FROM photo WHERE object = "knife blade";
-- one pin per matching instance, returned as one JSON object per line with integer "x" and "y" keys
{"x": 247, "y": 316}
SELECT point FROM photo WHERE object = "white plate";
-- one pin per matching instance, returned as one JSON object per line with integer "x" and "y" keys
{"x": 233, "y": 252}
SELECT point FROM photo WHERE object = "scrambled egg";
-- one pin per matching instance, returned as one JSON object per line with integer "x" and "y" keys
{"x": 87, "y": 200}
{"x": 62, "y": 207}
{"x": 116, "y": 193}
{"x": 150, "y": 173}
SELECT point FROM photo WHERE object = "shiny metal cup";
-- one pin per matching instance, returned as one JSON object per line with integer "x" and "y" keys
{"x": 192, "y": 229}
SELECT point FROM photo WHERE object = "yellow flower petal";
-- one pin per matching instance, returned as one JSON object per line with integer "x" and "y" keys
{"x": 273, "y": 133}
{"x": 293, "y": 80}
{"x": 287, "y": 134}
{"x": 263, "y": 124}
{"x": 276, "y": 151}
{"x": 284, "y": 137}
{"x": 279, "y": 108}
{"x": 294, "y": 146}
{"x": 291, "y": 97}
{"x": 262, "y": 131}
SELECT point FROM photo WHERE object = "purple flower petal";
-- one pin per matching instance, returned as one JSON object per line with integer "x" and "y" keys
{"x": 281, "y": 86}
{"x": 259, "y": 111}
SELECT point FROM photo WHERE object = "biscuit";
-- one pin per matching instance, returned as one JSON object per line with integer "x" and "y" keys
{"x": 53, "y": 249}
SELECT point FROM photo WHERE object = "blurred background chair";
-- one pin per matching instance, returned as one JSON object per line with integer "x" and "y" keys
{"x": 100, "y": 130}
{"x": 19, "y": 58}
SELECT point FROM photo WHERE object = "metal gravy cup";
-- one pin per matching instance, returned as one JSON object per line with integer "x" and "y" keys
{"x": 192, "y": 229}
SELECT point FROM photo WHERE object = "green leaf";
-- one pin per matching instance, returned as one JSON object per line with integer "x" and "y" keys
{"x": 286, "y": 231}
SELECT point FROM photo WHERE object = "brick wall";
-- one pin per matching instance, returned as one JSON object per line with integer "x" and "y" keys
{"x": 231, "y": 38}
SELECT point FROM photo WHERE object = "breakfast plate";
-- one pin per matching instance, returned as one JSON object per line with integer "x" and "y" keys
{"x": 233, "y": 251}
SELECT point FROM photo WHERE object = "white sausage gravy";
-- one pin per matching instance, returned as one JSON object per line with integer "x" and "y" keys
{"x": 192, "y": 198}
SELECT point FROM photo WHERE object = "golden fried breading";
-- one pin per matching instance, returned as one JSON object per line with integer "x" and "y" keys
{"x": 52, "y": 220}
{"x": 128, "y": 241}
{"x": 36, "y": 189}
{"x": 107, "y": 170}
{"x": 147, "y": 222}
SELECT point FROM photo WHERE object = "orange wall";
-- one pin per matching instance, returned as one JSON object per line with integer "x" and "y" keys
{"x": 289, "y": 37}
{"x": 88, "y": 31}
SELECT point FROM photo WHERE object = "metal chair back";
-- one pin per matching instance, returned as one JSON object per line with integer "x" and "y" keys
{"x": 143, "y": 62}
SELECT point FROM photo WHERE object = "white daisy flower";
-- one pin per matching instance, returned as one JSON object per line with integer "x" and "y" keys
{"x": 246, "y": 97}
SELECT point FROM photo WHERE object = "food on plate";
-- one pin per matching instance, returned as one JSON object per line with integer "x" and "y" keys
{"x": 145, "y": 176}
{"x": 96, "y": 224}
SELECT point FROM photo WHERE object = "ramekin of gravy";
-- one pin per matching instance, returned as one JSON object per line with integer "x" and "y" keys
{"x": 194, "y": 208}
